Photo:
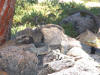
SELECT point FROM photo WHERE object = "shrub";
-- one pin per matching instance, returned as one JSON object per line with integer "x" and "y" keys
{"x": 29, "y": 14}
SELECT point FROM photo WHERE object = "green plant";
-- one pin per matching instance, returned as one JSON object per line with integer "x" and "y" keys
{"x": 28, "y": 14}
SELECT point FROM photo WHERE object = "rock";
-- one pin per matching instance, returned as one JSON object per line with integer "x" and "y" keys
{"x": 83, "y": 64}
{"x": 56, "y": 66}
{"x": 83, "y": 20}
{"x": 68, "y": 43}
{"x": 45, "y": 70}
{"x": 90, "y": 39}
{"x": 28, "y": 36}
{"x": 78, "y": 52}
{"x": 51, "y": 36}
{"x": 17, "y": 61}
{"x": 75, "y": 62}
{"x": 45, "y": 35}
{"x": 53, "y": 56}
{"x": 56, "y": 54}
{"x": 49, "y": 39}
{"x": 96, "y": 57}
{"x": 82, "y": 67}
{"x": 61, "y": 64}
{"x": 86, "y": 48}
{"x": 38, "y": 51}
{"x": 73, "y": 42}
{"x": 55, "y": 61}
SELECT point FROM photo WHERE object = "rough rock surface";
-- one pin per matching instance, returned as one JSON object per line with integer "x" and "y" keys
{"x": 93, "y": 41}
{"x": 48, "y": 37}
{"x": 51, "y": 36}
{"x": 75, "y": 62}
{"x": 83, "y": 20}
{"x": 16, "y": 61}
{"x": 61, "y": 56}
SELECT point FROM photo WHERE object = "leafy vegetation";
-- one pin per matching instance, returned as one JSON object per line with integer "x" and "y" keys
{"x": 30, "y": 13}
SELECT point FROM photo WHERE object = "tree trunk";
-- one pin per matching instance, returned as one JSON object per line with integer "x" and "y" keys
{"x": 6, "y": 16}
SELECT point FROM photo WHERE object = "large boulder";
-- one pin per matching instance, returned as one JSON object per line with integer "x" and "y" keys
{"x": 52, "y": 54}
{"x": 76, "y": 62}
{"x": 18, "y": 60}
{"x": 47, "y": 35}
{"x": 83, "y": 20}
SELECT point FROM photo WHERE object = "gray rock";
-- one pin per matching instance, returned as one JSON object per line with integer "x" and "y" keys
{"x": 17, "y": 61}
{"x": 83, "y": 20}
{"x": 68, "y": 43}
{"x": 59, "y": 55}
{"x": 51, "y": 36}
{"x": 61, "y": 64}
{"x": 45, "y": 35}
{"x": 55, "y": 61}
{"x": 53, "y": 56}
{"x": 84, "y": 64}
{"x": 78, "y": 52}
